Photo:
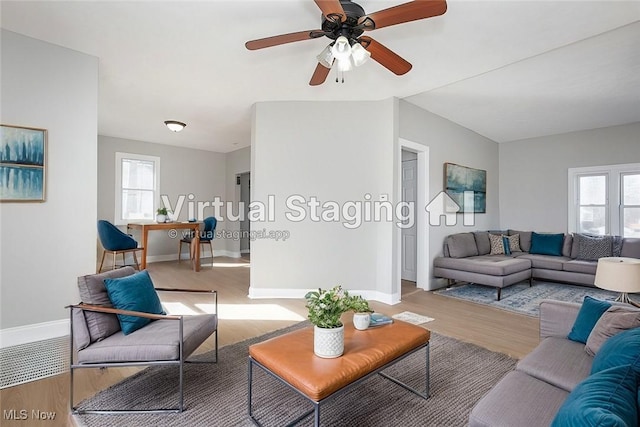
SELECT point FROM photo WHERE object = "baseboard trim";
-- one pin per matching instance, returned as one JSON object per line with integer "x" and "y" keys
{"x": 263, "y": 293}
{"x": 35, "y": 332}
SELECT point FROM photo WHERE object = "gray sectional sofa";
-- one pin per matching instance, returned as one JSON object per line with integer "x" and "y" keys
{"x": 467, "y": 257}
{"x": 534, "y": 392}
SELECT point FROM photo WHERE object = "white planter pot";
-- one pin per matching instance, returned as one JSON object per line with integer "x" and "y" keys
{"x": 328, "y": 343}
{"x": 161, "y": 218}
{"x": 361, "y": 321}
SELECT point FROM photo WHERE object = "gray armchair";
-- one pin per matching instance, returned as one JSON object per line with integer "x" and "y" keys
{"x": 98, "y": 342}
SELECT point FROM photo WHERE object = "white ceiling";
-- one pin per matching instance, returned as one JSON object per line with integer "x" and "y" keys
{"x": 506, "y": 69}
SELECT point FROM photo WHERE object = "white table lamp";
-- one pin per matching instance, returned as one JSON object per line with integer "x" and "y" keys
{"x": 619, "y": 274}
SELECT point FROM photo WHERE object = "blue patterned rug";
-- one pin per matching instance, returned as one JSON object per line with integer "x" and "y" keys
{"x": 522, "y": 299}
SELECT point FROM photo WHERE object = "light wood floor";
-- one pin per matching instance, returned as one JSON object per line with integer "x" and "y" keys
{"x": 242, "y": 318}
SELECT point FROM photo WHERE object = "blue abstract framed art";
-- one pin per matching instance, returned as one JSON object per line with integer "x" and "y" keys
{"x": 23, "y": 160}
{"x": 459, "y": 179}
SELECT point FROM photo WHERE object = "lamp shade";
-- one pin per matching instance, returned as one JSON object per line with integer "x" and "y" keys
{"x": 618, "y": 274}
{"x": 359, "y": 54}
{"x": 174, "y": 125}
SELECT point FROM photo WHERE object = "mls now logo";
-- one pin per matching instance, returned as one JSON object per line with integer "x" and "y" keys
{"x": 444, "y": 205}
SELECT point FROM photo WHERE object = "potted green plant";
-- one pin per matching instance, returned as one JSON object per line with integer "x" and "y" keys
{"x": 325, "y": 309}
{"x": 362, "y": 312}
{"x": 162, "y": 214}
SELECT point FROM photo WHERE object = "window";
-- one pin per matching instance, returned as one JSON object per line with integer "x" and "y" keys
{"x": 137, "y": 183}
{"x": 630, "y": 206}
{"x": 605, "y": 200}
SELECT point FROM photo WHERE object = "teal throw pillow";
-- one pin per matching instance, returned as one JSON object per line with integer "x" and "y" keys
{"x": 608, "y": 398}
{"x": 505, "y": 243}
{"x": 620, "y": 349}
{"x": 588, "y": 316}
{"x": 546, "y": 244}
{"x": 134, "y": 293}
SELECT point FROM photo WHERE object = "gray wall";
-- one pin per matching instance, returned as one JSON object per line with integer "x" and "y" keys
{"x": 451, "y": 143}
{"x": 313, "y": 149}
{"x": 534, "y": 172}
{"x": 183, "y": 171}
{"x": 46, "y": 246}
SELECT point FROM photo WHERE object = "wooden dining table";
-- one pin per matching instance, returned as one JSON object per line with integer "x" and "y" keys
{"x": 172, "y": 229}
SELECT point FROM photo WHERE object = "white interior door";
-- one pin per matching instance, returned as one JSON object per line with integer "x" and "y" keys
{"x": 409, "y": 235}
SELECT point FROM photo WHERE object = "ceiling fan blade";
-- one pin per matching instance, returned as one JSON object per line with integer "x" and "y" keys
{"x": 319, "y": 75}
{"x": 387, "y": 58}
{"x": 407, "y": 12}
{"x": 331, "y": 9}
{"x": 283, "y": 39}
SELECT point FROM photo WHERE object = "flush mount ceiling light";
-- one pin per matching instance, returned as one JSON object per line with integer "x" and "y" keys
{"x": 174, "y": 125}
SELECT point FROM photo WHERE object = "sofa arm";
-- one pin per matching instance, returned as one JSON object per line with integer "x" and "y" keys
{"x": 557, "y": 318}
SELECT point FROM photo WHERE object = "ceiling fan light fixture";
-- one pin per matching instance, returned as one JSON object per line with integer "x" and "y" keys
{"x": 174, "y": 125}
{"x": 345, "y": 64}
{"x": 341, "y": 48}
{"x": 326, "y": 57}
{"x": 359, "y": 54}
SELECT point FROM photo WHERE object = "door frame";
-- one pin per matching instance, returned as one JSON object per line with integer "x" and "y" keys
{"x": 423, "y": 267}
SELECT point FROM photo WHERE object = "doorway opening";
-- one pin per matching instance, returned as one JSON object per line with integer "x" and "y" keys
{"x": 244, "y": 180}
{"x": 413, "y": 242}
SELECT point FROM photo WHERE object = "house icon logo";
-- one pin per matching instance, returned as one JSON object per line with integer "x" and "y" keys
{"x": 443, "y": 205}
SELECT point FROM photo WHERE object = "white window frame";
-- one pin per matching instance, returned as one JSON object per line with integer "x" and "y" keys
{"x": 613, "y": 224}
{"x": 118, "y": 220}
{"x": 622, "y": 205}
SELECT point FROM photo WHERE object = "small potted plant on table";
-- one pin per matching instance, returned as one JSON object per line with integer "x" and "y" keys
{"x": 325, "y": 308}
{"x": 162, "y": 215}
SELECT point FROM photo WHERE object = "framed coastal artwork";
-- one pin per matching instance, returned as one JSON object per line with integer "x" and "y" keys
{"x": 23, "y": 161}
{"x": 459, "y": 179}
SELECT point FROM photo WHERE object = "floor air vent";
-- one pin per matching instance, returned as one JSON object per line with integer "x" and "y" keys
{"x": 33, "y": 361}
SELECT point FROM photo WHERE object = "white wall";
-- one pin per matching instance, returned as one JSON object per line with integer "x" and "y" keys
{"x": 46, "y": 246}
{"x": 534, "y": 178}
{"x": 183, "y": 171}
{"x": 238, "y": 162}
{"x": 449, "y": 142}
{"x": 335, "y": 151}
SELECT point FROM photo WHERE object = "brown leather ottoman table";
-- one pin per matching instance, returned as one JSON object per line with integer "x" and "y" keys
{"x": 290, "y": 359}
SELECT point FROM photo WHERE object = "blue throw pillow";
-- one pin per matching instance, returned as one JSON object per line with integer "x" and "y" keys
{"x": 134, "y": 293}
{"x": 620, "y": 349}
{"x": 546, "y": 244}
{"x": 591, "y": 310}
{"x": 607, "y": 398}
{"x": 505, "y": 243}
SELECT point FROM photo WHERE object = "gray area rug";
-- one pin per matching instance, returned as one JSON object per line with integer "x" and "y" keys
{"x": 216, "y": 395}
{"x": 520, "y": 298}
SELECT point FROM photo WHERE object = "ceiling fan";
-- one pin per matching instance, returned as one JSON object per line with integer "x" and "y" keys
{"x": 345, "y": 22}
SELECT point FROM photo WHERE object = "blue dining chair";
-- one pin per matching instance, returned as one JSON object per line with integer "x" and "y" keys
{"x": 206, "y": 236}
{"x": 116, "y": 242}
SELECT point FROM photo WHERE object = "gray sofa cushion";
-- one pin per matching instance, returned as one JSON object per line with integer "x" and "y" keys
{"x": 558, "y": 361}
{"x": 156, "y": 341}
{"x": 462, "y": 245}
{"x": 525, "y": 239}
{"x": 495, "y": 265}
{"x": 567, "y": 245}
{"x": 482, "y": 242}
{"x": 549, "y": 262}
{"x": 613, "y": 321}
{"x": 92, "y": 291}
{"x": 581, "y": 266}
{"x": 630, "y": 248}
{"x": 518, "y": 400}
{"x": 81, "y": 336}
